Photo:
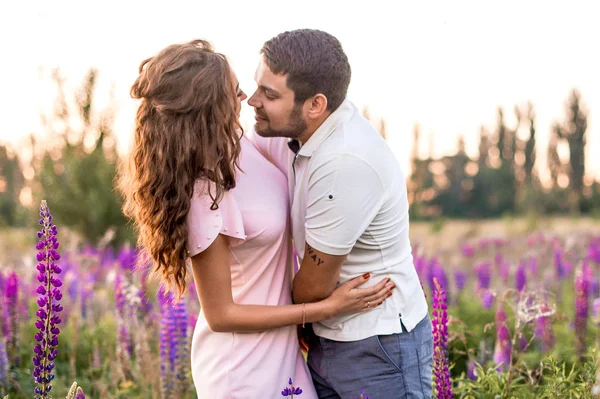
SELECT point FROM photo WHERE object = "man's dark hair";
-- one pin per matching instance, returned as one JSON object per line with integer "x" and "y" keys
{"x": 314, "y": 62}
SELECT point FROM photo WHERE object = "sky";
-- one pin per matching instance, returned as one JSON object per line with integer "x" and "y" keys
{"x": 446, "y": 66}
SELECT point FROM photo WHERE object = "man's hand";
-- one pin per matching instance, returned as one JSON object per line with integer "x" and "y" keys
{"x": 318, "y": 275}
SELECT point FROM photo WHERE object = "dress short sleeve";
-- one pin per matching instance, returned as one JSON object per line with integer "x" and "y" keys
{"x": 275, "y": 149}
{"x": 205, "y": 224}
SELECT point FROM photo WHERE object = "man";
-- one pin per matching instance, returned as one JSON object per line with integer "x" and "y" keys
{"x": 349, "y": 217}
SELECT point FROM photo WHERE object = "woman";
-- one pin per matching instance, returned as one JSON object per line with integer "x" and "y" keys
{"x": 198, "y": 189}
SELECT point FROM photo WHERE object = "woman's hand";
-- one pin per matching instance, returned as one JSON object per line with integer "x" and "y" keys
{"x": 349, "y": 299}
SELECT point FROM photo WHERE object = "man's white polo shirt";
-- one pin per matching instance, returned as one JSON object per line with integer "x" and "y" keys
{"x": 349, "y": 198}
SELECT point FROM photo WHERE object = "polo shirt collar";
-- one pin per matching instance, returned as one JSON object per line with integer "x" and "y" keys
{"x": 343, "y": 113}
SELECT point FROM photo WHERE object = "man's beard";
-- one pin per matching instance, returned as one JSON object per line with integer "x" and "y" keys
{"x": 295, "y": 128}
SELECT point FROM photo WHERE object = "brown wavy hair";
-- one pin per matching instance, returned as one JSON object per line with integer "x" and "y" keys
{"x": 186, "y": 129}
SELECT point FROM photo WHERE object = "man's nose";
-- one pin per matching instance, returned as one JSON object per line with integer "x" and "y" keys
{"x": 253, "y": 102}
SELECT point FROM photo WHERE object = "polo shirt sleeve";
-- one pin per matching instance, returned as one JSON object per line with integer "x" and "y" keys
{"x": 344, "y": 195}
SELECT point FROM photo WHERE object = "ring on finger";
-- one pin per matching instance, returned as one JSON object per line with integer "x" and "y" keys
{"x": 368, "y": 304}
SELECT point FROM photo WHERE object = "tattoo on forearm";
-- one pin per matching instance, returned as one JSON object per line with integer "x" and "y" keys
{"x": 313, "y": 255}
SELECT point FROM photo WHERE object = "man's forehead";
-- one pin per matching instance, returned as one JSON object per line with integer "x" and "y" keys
{"x": 269, "y": 80}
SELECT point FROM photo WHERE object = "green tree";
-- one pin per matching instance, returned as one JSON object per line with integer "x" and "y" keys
{"x": 501, "y": 198}
{"x": 528, "y": 186}
{"x": 501, "y": 134}
{"x": 553, "y": 161}
{"x": 11, "y": 183}
{"x": 484, "y": 148}
{"x": 573, "y": 131}
{"x": 530, "y": 146}
{"x": 453, "y": 198}
{"x": 77, "y": 175}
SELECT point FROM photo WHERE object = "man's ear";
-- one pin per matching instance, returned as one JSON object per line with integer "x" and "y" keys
{"x": 317, "y": 106}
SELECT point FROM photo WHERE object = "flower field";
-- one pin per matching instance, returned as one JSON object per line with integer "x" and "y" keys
{"x": 514, "y": 316}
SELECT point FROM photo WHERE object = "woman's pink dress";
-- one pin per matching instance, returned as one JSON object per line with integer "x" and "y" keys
{"x": 255, "y": 217}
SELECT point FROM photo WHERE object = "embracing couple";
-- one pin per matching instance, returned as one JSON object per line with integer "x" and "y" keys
{"x": 229, "y": 206}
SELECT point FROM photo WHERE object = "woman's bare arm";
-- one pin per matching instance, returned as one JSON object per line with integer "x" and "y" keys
{"x": 212, "y": 277}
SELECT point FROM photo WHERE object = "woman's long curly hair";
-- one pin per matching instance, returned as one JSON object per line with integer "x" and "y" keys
{"x": 186, "y": 129}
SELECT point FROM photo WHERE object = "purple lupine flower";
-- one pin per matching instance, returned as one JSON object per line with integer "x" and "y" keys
{"x": 291, "y": 390}
{"x": 90, "y": 251}
{"x": 437, "y": 272}
{"x": 49, "y": 308}
{"x": 544, "y": 332}
{"x": 467, "y": 250}
{"x": 144, "y": 293}
{"x": 596, "y": 310}
{"x": 180, "y": 345}
{"x": 173, "y": 329}
{"x": 594, "y": 251}
{"x": 3, "y": 310}
{"x": 107, "y": 258}
{"x": 521, "y": 277}
{"x": 594, "y": 287}
{"x": 3, "y": 365}
{"x": 165, "y": 300}
{"x": 582, "y": 306}
{"x": 484, "y": 275}
{"x": 421, "y": 267}
{"x": 596, "y": 316}
{"x": 503, "y": 348}
{"x": 79, "y": 394}
{"x": 11, "y": 312}
{"x": 439, "y": 325}
{"x": 522, "y": 342}
{"x": 181, "y": 318}
{"x": 127, "y": 258}
{"x": 559, "y": 264}
{"x": 4, "y": 318}
{"x": 124, "y": 342}
{"x": 487, "y": 299}
{"x": 471, "y": 367}
{"x": 460, "y": 279}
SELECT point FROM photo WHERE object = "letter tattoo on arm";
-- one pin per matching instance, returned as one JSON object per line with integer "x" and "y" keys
{"x": 313, "y": 255}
